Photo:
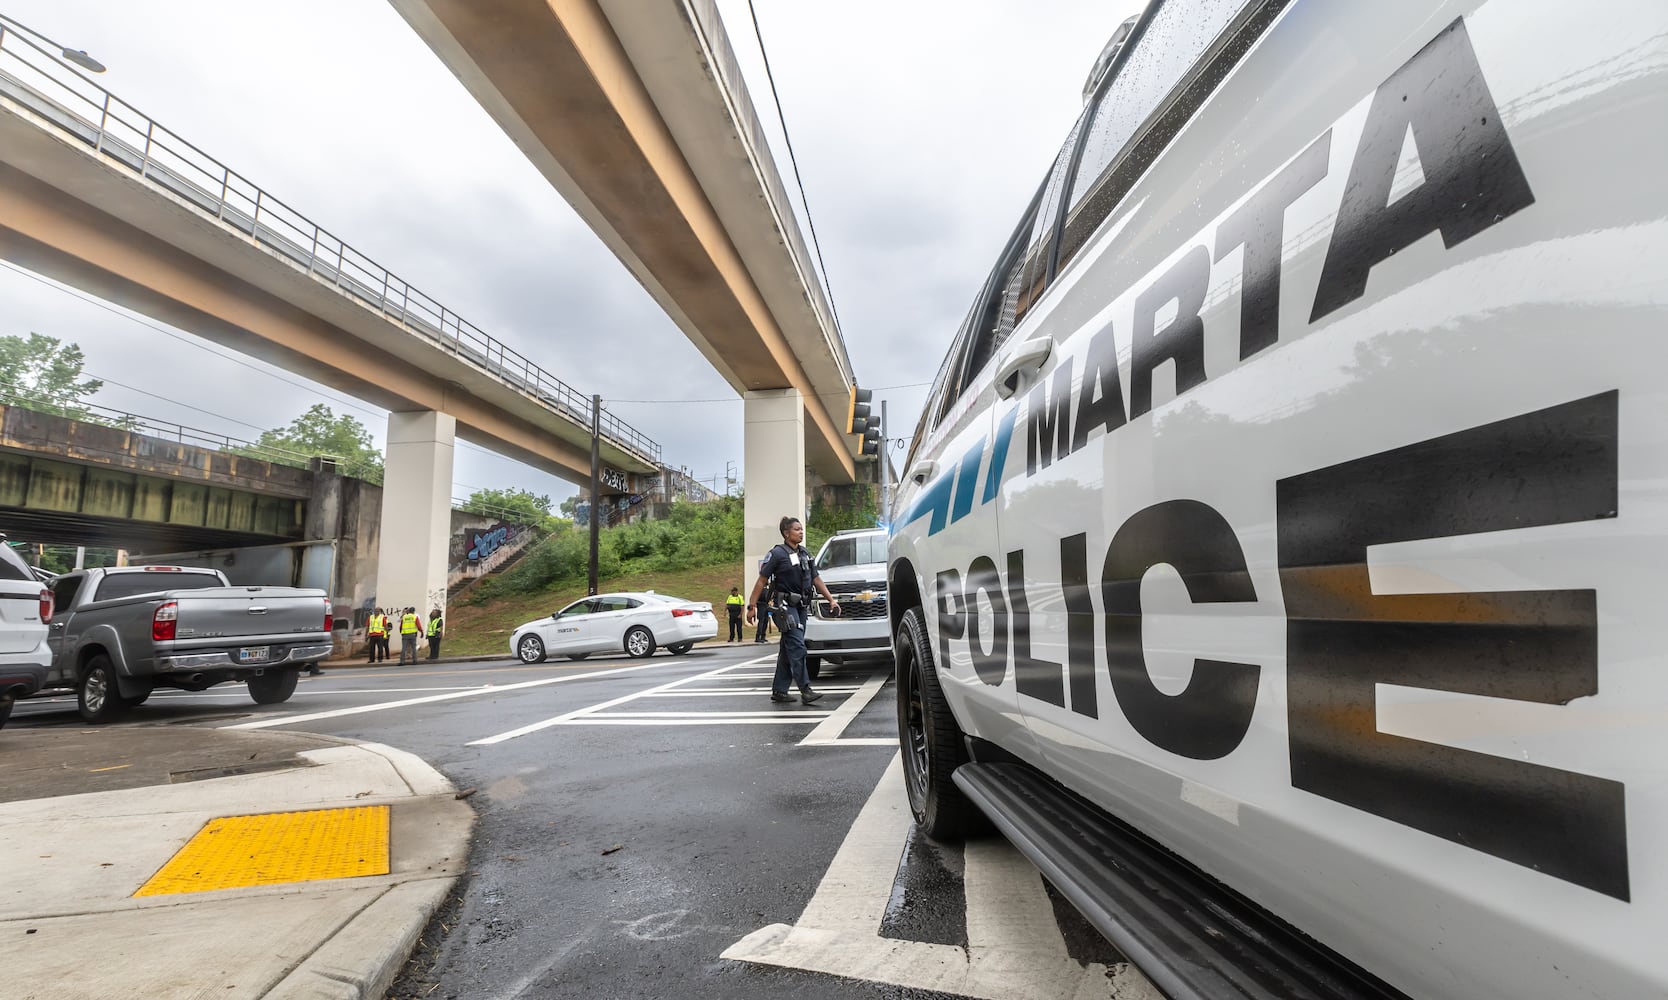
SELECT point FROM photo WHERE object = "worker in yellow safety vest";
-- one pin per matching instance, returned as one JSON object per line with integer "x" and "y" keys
{"x": 437, "y": 628}
{"x": 732, "y": 605}
{"x": 376, "y": 636}
{"x": 410, "y": 627}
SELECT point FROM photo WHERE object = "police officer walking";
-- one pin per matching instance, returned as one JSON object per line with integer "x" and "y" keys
{"x": 791, "y": 575}
{"x": 410, "y": 626}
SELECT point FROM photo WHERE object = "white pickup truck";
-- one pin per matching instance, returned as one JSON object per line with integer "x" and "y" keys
{"x": 119, "y": 633}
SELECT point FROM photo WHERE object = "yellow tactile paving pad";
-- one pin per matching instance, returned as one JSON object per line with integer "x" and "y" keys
{"x": 235, "y": 852}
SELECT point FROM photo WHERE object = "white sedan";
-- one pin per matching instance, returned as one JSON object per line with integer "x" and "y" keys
{"x": 636, "y": 623}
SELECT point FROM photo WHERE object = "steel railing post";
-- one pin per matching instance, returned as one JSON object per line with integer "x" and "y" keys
{"x": 103, "y": 121}
{"x": 145, "y": 162}
{"x": 225, "y": 188}
{"x": 313, "y": 254}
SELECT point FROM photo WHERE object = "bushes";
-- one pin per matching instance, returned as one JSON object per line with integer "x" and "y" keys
{"x": 695, "y": 535}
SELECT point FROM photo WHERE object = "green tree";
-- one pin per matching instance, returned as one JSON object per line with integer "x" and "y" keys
{"x": 320, "y": 431}
{"x": 528, "y": 508}
{"x": 45, "y": 374}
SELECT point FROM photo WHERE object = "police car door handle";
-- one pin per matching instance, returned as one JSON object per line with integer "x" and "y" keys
{"x": 922, "y": 471}
{"x": 1026, "y": 357}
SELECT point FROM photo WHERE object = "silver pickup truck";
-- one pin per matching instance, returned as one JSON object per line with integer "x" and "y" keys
{"x": 119, "y": 633}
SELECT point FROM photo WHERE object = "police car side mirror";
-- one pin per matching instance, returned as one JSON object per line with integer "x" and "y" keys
{"x": 1023, "y": 360}
{"x": 922, "y": 471}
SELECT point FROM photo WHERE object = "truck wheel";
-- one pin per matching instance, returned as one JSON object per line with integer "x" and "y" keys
{"x": 813, "y": 666}
{"x": 932, "y": 741}
{"x": 97, "y": 697}
{"x": 273, "y": 687}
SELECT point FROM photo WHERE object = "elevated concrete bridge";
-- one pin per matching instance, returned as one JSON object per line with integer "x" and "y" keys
{"x": 635, "y": 111}
{"x": 97, "y": 195}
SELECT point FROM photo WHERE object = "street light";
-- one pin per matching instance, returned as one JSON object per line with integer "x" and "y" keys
{"x": 77, "y": 56}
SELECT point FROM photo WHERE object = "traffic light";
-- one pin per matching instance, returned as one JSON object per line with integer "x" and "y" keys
{"x": 871, "y": 442}
{"x": 857, "y": 410}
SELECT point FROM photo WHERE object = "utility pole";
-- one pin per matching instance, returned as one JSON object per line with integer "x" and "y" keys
{"x": 596, "y": 486}
{"x": 885, "y": 499}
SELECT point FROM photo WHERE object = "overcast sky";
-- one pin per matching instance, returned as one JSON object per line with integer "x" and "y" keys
{"x": 921, "y": 130}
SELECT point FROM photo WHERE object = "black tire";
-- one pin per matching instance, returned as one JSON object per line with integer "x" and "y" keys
{"x": 813, "y": 666}
{"x": 578, "y": 656}
{"x": 639, "y": 642}
{"x": 274, "y": 687}
{"x": 530, "y": 649}
{"x": 97, "y": 697}
{"x": 680, "y": 648}
{"x": 932, "y": 741}
{"x": 6, "y": 710}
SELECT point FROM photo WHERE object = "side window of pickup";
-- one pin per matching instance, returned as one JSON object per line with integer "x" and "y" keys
{"x": 1174, "y": 59}
{"x": 64, "y": 591}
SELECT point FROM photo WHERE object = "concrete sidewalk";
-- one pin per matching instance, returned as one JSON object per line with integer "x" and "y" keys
{"x": 97, "y": 813}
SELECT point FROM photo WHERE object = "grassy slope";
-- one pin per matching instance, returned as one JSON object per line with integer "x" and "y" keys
{"x": 477, "y": 629}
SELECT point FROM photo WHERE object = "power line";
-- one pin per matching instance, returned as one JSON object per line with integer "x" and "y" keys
{"x": 792, "y": 160}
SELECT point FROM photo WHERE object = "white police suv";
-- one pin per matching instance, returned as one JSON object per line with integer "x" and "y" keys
{"x": 852, "y": 565}
{"x": 1282, "y": 558}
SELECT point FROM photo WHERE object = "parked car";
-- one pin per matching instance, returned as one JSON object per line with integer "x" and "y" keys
{"x": 25, "y": 613}
{"x": 121, "y": 632}
{"x": 1279, "y": 560}
{"x": 633, "y": 623}
{"x": 853, "y": 566}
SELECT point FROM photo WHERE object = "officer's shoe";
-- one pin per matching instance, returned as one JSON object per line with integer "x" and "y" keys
{"x": 779, "y": 697}
{"x": 806, "y": 696}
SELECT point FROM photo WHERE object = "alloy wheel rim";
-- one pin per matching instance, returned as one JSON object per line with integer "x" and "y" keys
{"x": 917, "y": 725}
{"x": 529, "y": 650}
{"x": 637, "y": 643}
{"x": 97, "y": 690}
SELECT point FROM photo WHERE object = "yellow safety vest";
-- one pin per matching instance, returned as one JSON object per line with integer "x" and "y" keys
{"x": 734, "y": 599}
{"x": 408, "y": 625}
{"x": 376, "y": 625}
{"x": 434, "y": 627}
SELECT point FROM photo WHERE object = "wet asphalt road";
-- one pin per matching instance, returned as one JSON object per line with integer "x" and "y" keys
{"x": 621, "y": 850}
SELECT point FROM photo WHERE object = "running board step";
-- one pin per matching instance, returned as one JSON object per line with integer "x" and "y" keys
{"x": 1193, "y": 937}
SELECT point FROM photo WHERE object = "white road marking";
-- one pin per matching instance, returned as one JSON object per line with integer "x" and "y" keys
{"x": 566, "y": 716}
{"x": 290, "y": 720}
{"x": 709, "y": 692}
{"x": 828, "y": 734}
{"x": 710, "y": 720}
{"x": 839, "y": 932}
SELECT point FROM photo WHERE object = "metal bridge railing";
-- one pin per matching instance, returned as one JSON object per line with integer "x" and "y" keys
{"x": 84, "y": 111}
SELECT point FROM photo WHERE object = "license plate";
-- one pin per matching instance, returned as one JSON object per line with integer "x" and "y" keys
{"x": 254, "y": 654}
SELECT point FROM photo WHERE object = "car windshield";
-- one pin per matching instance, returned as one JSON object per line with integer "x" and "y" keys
{"x": 133, "y": 584}
{"x": 853, "y": 550}
{"x": 580, "y": 607}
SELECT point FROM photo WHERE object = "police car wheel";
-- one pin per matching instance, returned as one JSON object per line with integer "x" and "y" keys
{"x": 680, "y": 648}
{"x": 639, "y": 642}
{"x": 530, "y": 649}
{"x": 5, "y": 709}
{"x": 577, "y": 656}
{"x": 932, "y": 741}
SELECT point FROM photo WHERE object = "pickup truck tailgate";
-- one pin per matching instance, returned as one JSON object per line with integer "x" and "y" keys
{"x": 20, "y": 616}
{"x": 239, "y": 612}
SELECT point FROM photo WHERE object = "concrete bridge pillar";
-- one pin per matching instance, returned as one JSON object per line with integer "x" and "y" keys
{"x": 416, "y": 512}
{"x": 774, "y": 457}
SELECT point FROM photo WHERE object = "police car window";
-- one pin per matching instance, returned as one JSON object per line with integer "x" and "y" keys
{"x": 1176, "y": 56}
{"x": 993, "y": 317}
{"x": 1029, "y": 283}
{"x": 840, "y": 552}
{"x": 12, "y": 566}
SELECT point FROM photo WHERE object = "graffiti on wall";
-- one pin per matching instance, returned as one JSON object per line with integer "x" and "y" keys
{"x": 485, "y": 541}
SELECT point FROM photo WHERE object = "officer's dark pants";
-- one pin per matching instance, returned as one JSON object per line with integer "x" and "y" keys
{"x": 434, "y": 647}
{"x": 735, "y": 628}
{"x": 790, "y": 651}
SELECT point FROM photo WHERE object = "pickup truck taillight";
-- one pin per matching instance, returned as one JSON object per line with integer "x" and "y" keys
{"x": 162, "y": 623}
{"x": 46, "y": 605}
{"x": 329, "y": 620}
